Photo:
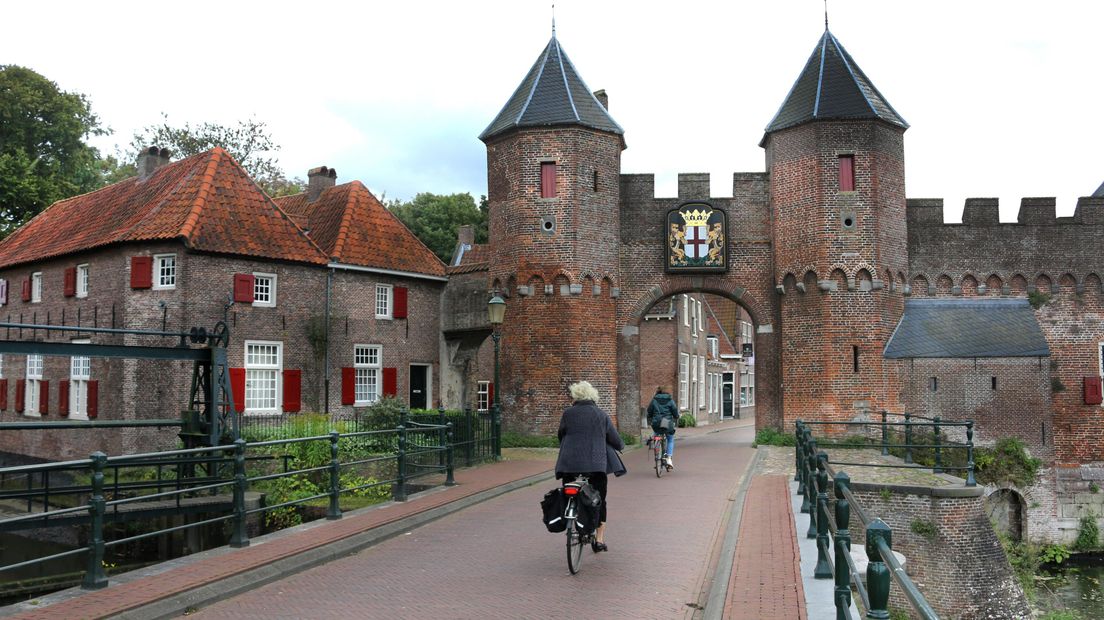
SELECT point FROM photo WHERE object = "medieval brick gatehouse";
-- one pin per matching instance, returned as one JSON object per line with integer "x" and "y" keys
{"x": 855, "y": 299}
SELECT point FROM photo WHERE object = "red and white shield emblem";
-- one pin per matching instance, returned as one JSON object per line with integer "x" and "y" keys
{"x": 696, "y": 242}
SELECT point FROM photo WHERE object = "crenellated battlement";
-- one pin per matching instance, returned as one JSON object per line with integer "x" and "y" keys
{"x": 690, "y": 185}
{"x": 986, "y": 212}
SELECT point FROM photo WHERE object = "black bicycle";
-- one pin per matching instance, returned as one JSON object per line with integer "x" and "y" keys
{"x": 576, "y": 538}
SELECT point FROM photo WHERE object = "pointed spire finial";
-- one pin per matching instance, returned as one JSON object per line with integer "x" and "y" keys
{"x": 554, "y": 19}
{"x": 825, "y": 18}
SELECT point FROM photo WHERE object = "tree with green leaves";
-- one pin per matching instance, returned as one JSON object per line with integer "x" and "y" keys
{"x": 435, "y": 219}
{"x": 249, "y": 142}
{"x": 43, "y": 154}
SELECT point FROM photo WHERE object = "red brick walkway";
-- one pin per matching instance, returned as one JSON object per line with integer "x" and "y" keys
{"x": 121, "y": 597}
{"x": 766, "y": 578}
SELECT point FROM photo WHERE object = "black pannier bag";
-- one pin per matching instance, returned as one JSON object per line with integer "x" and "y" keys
{"x": 590, "y": 503}
{"x": 553, "y": 506}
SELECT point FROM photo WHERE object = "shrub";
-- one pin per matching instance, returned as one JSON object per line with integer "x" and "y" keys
{"x": 1088, "y": 534}
{"x": 287, "y": 489}
{"x": 1054, "y": 554}
{"x": 1007, "y": 461}
{"x": 923, "y": 527}
{"x": 630, "y": 440}
{"x": 770, "y": 437}
{"x": 687, "y": 420}
{"x": 511, "y": 439}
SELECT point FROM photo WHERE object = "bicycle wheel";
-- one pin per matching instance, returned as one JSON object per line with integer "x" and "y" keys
{"x": 574, "y": 541}
{"x": 657, "y": 450}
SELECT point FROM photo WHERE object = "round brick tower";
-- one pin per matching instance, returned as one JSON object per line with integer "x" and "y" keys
{"x": 553, "y": 167}
{"x": 835, "y": 153}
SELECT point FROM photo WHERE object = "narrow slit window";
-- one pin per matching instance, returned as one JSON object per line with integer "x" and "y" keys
{"x": 993, "y": 382}
{"x": 596, "y": 180}
{"x": 933, "y": 384}
{"x": 855, "y": 358}
{"x": 548, "y": 179}
{"x": 846, "y": 173}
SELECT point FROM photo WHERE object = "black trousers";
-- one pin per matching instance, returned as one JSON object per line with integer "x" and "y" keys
{"x": 599, "y": 481}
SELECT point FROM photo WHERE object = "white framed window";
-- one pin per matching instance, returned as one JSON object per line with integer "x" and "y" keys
{"x": 264, "y": 290}
{"x": 384, "y": 294}
{"x": 713, "y": 346}
{"x": 1, "y": 365}
{"x": 483, "y": 396}
{"x": 747, "y": 388}
{"x": 36, "y": 287}
{"x": 684, "y": 377}
{"x": 367, "y": 360}
{"x": 82, "y": 280}
{"x": 164, "y": 271}
{"x": 686, "y": 310}
{"x": 701, "y": 383}
{"x": 80, "y": 373}
{"x": 34, "y": 380}
{"x": 701, "y": 317}
{"x": 263, "y": 363}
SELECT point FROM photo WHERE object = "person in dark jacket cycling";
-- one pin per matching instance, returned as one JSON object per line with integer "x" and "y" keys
{"x": 663, "y": 415}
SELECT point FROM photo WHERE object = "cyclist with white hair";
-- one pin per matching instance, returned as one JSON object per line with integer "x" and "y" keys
{"x": 588, "y": 445}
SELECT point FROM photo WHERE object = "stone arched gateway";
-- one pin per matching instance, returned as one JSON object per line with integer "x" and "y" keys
{"x": 1007, "y": 512}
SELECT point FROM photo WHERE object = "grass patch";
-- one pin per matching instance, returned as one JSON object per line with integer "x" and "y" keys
{"x": 770, "y": 437}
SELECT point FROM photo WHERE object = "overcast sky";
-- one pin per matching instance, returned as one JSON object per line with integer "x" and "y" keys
{"x": 1004, "y": 97}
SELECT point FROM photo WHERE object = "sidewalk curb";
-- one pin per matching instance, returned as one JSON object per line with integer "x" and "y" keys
{"x": 176, "y": 605}
{"x": 718, "y": 592}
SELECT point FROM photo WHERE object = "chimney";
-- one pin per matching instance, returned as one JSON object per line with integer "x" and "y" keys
{"x": 318, "y": 179}
{"x": 465, "y": 234}
{"x": 602, "y": 98}
{"x": 150, "y": 160}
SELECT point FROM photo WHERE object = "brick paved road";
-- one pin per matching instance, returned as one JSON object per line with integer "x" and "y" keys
{"x": 495, "y": 559}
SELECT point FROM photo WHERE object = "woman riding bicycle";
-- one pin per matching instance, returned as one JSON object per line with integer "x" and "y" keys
{"x": 588, "y": 444}
{"x": 663, "y": 415}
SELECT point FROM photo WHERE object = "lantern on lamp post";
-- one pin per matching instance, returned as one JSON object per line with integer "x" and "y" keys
{"x": 496, "y": 312}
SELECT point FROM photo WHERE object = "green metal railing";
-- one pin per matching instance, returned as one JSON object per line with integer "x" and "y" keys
{"x": 832, "y": 532}
{"x": 422, "y": 448}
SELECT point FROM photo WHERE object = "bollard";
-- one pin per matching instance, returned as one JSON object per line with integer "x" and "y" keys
{"x": 94, "y": 576}
{"x": 335, "y": 479}
{"x": 823, "y": 568}
{"x": 400, "y": 458}
{"x": 938, "y": 469}
{"x": 877, "y": 573}
{"x": 810, "y": 484}
{"x": 970, "y": 480}
{"x": 843, "y": 547}
{"x": 240, "y": 537}
{"x": 496, "y": 430}
{"x": 908, "y": 438}
{"x": 799, "y": 458}
{"x": 885, "y": 434}
{"x": 797, "y": 453}
{"x": 449, "y": 480}
{"x": 441, "y": 437}
{"x": 469, "y": 437}
{"x": 803, "y": 463}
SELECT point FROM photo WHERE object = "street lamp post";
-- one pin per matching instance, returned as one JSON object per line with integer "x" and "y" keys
{"x": 496, "y": 312}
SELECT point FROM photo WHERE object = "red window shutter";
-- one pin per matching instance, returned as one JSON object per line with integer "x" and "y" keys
{"x": 93, "y": 399}
{"x": 70, "y": 284}
{"x": 20, "y": 390}
{"x": 847, "y": 173}
{"x": 43, "y": 397}
{"x": 293, "y": 381}
{"x": 1093, "y": 391}
{"x": 27, "y": 289}
{"x": 243, "y": 288}
{"x": 63, "y": 397}
{"x": 348, "y": 386}
{"x": 390, "y": 381}
{"x": 490, "y": 395}
{"x": 3, "y": 394}
{"x": 141, "y": 271}
{"x": 548, "y": 179}
{"x": 237, "y": 388}
{"x": 400, "y": 303}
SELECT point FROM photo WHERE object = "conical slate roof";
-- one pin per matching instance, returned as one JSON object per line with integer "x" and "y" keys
{"x": 552, "y": 93}
{"x": 1099, "y": 193}
{"x": 833, "y": 87}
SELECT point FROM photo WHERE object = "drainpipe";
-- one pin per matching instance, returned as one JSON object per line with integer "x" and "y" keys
{"x": 326, "y": 370}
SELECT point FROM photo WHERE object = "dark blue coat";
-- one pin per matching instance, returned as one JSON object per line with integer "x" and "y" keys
{"x": 588, "y": 441}
{"x": 663, "y": 406}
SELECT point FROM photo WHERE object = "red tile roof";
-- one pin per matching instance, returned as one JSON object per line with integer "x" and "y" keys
{"x": 207, "y": 201}
{"x": 724, "y": 344}
{"x": 476, "y": 258}
{"x": 351, "y": 225}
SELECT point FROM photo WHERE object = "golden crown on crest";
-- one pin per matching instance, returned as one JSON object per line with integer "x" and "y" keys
{"x": 696, "y": 217}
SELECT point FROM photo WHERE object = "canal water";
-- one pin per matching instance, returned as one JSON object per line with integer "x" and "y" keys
{"x": 1076, "y": 585}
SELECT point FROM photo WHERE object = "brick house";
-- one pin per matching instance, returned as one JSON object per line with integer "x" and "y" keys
{"x": 194, "y": 242}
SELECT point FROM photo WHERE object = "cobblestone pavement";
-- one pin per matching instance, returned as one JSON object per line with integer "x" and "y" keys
{"x": 495, "y": 559}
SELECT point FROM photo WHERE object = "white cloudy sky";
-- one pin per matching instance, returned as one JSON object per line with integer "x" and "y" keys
{"x": 1004, "y": 97}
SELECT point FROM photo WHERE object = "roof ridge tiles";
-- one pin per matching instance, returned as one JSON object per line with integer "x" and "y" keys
{"x": 191, "y": 221}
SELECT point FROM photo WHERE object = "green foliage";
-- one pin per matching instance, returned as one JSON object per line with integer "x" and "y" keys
{"x": 435, "y": 219}
{"x": 924, "y": 527}
{"x": 350, "y": 480}
{"x": 1062, "y": 614}
{"x": 1006, "y": 462}
{"x": 286, "y": 489}
{"x": 1088, "y": 534}
{"x": 687, "y": 420}
{"x": 770, "y": 437}
{"x": 1093, "y": 488}
{"x": 43, "y": 154}
{"x": 1038, "y": 299}
{"x": 628, "y": 439}
{"x": 249, "y": 142}
{"x": 1054, "y": 554}
{"x": 511, "y": 439}
{"x": 896, "y": 613}
{"x": 885, "y": 494}
{"x": 1024, "y": 558}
